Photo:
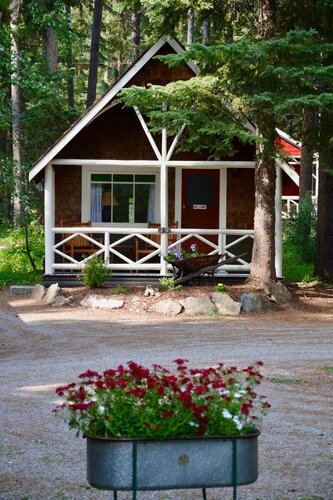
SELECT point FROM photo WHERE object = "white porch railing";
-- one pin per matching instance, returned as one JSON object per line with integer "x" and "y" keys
{"x": 120, "y": 243}
{"x": 290, "y": 204}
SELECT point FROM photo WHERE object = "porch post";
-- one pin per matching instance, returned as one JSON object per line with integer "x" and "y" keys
{"x": 278, "y": 222}
{"x": 49, "y": 217}
{"x": 164, "y": 201}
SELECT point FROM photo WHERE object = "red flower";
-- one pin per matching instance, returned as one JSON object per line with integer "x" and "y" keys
{"x": 200, "y": 389}
{"x": 138, "y": 392}
{"x": 81, "y": 394}
{"x": 60, "y": 390}
{"x": 166, "y": 414}
{"x": 109, "y": 373}
{"x": 89, "y": 374}
{"x": 180, "y": 361}
{"x": 160, "y": 391}
{"x": 82, "y": 406}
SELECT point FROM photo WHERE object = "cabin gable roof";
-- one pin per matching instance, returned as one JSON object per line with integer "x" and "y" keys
{"x": 131, "y": 76}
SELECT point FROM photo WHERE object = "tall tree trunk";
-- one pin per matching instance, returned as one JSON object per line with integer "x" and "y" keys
{"x": 307, "y": 152}
{"x": 136, "y": 33}
{"x": 229, "y": 35}
{"x": 69, "y": 61}
{"x": 206, "y": 30}
{"x": 266, "y": 18}
{"x": 52, "y": 44}
{"x": 263, "y": 255}
{"x": 190, "y": 26}
{"x": 94, "y": 52}
{"x": 16, "y": 112}
{"x": 324, "y": 241}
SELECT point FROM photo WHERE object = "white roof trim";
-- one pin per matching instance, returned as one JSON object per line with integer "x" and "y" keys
{"x": 96, "y": 108}
{"x": 290, "y": 171}
{"x": 287, "y": 137}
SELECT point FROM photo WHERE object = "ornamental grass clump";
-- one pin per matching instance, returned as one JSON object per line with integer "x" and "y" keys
{"x": 137, "y": 402}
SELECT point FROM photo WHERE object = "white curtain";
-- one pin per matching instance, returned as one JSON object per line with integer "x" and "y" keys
{"x": 151, "y": 204}
{"x": 96, "y": 203}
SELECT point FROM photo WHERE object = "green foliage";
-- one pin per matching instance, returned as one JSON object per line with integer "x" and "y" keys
{"x": 120, "y": 290}
{"x": 15, "y": 267}
{"x": 299, "y": 239}
{"x": 220, "y": 287}
{"x": 300, "y": 229}
{"x": 95, "y": 272}
{"x": 169, "y": 284}
{"x": 294, "y": 267}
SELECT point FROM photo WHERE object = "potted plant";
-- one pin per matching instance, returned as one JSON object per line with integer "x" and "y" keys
{"x": 185, "y": 263}
{"x": 156, "y": 429}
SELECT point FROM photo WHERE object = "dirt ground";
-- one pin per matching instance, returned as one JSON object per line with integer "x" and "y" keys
{"x": 42, "y": 347}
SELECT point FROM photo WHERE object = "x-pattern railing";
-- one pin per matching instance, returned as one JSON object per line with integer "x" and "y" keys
{"x": 122, "y": 246}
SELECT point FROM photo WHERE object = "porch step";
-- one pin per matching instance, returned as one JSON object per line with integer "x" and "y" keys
{"x": 139, "y": 279}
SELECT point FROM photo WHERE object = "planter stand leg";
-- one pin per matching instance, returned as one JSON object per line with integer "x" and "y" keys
{"x": 234, "y": 468}
{"x": 204, "y": 496}
{"x": 115, "y": 496}
{"x": 134, "y": 469}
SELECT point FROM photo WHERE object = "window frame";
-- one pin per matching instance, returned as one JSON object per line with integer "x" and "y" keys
{"x": 120, "y": 170}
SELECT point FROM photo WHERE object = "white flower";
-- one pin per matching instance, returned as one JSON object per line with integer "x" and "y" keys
{"x": 224, "y": 392}
{"x": 101, "y": 409}
{"x": 226, "y": 413}
{"x": 237, "y": 395}
{"x": 94, "y": 399}
{"x": 239, "y": 425}
{"x": 193, "y": 424}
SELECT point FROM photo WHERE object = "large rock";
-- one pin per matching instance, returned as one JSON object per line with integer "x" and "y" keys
{"x": 225, "y": 305}
{"x": 277, "y": 292}
{"x": 52, "y": 292}
{"x": 168, "y": 306}
{"x": 21, "y": 290}
{"x": 100, "y": 302}
{"x": 254, "y": 302}
{"x": 38, "y": 292}
{"x": 198, "y": 305}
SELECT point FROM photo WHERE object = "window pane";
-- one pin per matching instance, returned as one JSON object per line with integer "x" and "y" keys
{"x": 144, "y": 203}
{"x": 123, "y": 203}
{"x": 101, "y": 178}
{"x": 96, "y": 202}
{"x": 106, "y": 203}
{"x": 122, "y": 178}
{"x": 145, "y": 178}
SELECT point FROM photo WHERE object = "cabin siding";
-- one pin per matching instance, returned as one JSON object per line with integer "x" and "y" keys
{"x": 240, "y": 198}
{"x": 68, "y": 181}
{"x": 158, "y": 73}
{"x": 288, "y": 148}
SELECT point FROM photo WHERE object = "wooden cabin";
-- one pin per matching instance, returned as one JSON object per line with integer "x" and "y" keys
{"x": 291, "y": 173}
{"x": 113, "y": 189}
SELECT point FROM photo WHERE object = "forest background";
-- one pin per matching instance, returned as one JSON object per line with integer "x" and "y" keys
{"x": 271, "y": 58}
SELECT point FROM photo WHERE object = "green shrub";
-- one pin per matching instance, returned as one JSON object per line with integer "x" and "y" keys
{"x": 295, "y": 269}
{"x": 120, "y": 290}
{"x": 15, "y": 266}
{"x": 169, "y": 284}
{"x": 94, "y": 273}
{"x": 299, "y": 240}
{"x": 220, "y": 287}
{"x": 300, "y": 230}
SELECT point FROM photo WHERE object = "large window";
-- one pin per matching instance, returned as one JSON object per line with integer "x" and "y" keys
{"x": 128, "y": 198}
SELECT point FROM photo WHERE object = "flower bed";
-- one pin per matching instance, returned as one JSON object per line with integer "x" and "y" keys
{"x": 137, "y": 402}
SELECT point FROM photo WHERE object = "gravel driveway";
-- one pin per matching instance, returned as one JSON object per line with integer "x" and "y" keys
{"x": 43, "y": 347}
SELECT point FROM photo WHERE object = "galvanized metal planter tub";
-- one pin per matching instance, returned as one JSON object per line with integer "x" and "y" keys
{"x": 201, "y": 462}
